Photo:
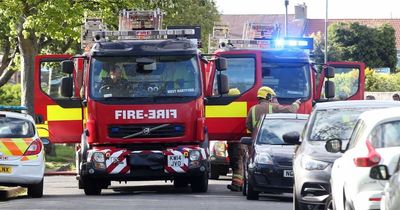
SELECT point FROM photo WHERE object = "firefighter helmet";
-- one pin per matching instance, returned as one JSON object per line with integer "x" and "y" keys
{"x": 264, "y": 91}
{"x": 233, "y": 92}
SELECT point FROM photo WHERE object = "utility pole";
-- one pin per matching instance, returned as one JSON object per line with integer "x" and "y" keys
{"x": 326, "y": 32}
{"x": 286, "y": 17}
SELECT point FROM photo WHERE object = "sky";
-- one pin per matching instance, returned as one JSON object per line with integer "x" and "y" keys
{"x": 315, "y": 8}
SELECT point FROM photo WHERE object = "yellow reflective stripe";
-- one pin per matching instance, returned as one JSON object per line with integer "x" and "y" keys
{"x": 58, "y": 113}
{"x": 270, "y": 109}
{"x": 4, "y": 149}
{"x": 234, "y": 109}
{"x": 253, "y": 117}
{"x": 43, "y": 130}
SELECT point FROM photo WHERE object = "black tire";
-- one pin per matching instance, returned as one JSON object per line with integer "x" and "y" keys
{"x": 245, "y": 177}
{"x": 180, "y": 183}
{"x": 214, "y": 172}
{"x": 91, "y": 187}
{"x": 199, "y": 183}
{"x": 251, "y": 194}
{"x": 36, "y": 190}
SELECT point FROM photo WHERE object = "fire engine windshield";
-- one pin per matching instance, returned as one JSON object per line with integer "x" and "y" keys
{"x": 289, "y": 80}
{"x": 144, "y": 77}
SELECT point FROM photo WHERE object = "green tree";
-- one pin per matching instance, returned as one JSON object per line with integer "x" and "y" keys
{"x": 375, "y": 47}
{"x": 45, "y": 26}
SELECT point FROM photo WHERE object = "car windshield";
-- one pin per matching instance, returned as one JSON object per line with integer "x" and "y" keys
{"x": 15, "y": 128}
{"x": 289, "y": 80}
{"x": 334, "y": 123}
{"x": 272, "y": 130}
{"x": 144, "y": 77}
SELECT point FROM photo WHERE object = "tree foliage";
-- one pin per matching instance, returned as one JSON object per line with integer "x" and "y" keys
{"x": 376, "y": 47}
{"x": 53, "y": 26}
{"x": 10, "y": 95}
{"x": 376, "y": 82}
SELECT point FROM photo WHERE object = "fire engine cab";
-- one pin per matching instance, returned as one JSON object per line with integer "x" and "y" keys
{"x": 285, "y": 66}
{"x": 134, "y": 102}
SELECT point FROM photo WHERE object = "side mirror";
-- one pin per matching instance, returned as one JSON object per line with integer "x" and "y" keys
{"x": 45, "y": 141}
{"x": 221, "y": 64}
{"x": 246, "y": 141}
{"x": 379, "y": 172}
{"x": 334, "y": 146}
{"x": 329, "y": 89}
{"x": 67, "y": 66}
{"x": 329, "y": 72}
{"x": 291, "y": 137}
{"x": 223, "y": 87}
{"x": 66, "y": 87}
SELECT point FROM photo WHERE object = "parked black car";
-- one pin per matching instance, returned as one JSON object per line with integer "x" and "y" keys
{"x": 268, "y": 162}
{"x": 312, "y": 164}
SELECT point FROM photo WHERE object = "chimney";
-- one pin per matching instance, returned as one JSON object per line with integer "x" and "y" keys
{"x": 300, "y": 11}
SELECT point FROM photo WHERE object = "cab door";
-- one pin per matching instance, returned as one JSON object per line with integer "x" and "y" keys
{"x": 349, "y": 81}
{"x": 58, "y": 118}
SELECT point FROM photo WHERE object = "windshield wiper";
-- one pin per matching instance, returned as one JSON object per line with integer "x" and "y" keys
{"x": 145, "y": 131}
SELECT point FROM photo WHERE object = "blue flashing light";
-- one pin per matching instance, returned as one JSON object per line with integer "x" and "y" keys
{"x": 12, "y": 108}
{"x": 295, "y": 42}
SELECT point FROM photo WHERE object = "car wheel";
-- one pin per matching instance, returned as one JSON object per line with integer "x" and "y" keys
{"x": 214, "y": 172}
{"x": 91, "y": 187}
{"x": 36, "y": 190}
{"x": 199, "y": 183}
{"x": 251, "y": 193}
{"x": 180, "y": 182}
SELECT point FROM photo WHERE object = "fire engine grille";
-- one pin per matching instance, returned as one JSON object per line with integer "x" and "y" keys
{"x": 146, "y": 131}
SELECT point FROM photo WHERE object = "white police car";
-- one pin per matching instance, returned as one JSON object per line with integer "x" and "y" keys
{"x": 22, "y": 160}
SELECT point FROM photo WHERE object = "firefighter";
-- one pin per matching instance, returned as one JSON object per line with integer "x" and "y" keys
{"x": 115, "y": 84}
{"x": 236, "y": 153}
{"x": 267, "y": 103}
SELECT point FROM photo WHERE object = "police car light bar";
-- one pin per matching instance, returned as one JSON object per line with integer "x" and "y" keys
{"x": 288, "y": 42}
{"x": 141, "y": 34}
{"x": 12, "y": 108}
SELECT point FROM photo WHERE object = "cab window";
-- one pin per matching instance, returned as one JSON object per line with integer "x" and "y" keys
{"x": 346, "y": 83}
{"x": 241, "y": 74}
{"x": 50, "y": 78}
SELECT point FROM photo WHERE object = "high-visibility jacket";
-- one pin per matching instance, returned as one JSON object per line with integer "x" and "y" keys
{"x": 266, "y": 107}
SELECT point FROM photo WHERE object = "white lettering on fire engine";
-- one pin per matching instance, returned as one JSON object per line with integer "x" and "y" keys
{"x": 142, "y": 114}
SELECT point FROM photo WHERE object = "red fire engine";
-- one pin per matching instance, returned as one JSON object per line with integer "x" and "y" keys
{"x": 150, "y": 124}
{"x": 285, "y": 66}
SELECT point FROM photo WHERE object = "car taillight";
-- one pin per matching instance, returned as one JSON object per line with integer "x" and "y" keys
{"x": 35, "y": 148}
{"x": 372, "y": 159}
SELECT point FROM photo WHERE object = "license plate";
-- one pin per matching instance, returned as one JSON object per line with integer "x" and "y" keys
{"x": 287, "y": 173}
{"x": 176, "y": 160}
{"x": 5, "y": 170}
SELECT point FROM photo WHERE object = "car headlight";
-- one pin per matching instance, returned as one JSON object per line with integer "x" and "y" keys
{"x": 263, "y": 158}
{"x": 98, "y": 157}
{"x": 194, "y": 155}
{"x": 311, "y": 164}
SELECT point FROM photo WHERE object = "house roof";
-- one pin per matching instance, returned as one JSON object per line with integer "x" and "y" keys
{"x": 316, "y": 25}
{"x": 299, "y": 27}
{"x": 236, "y": 23}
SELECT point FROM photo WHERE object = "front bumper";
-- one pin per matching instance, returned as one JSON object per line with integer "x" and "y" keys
{"x": 271, "y": 178}
{"x": 312, "y": 186}
{"x": 125, "y": 165}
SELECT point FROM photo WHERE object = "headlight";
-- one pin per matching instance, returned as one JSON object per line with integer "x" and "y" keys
{"x": 263, "y": 158}
{"x": 219, "y": 146}
{"x": 98, "y": 157}
{"x": 311, "y": 164}
{"x": 194, "y": 155}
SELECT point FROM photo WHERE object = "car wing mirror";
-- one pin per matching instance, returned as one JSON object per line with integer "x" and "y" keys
{"x": 246, "y": 141}
{"x": 379, "y": 172}
{"x": 291, "y": 138}
{"x": 334, "y": 146}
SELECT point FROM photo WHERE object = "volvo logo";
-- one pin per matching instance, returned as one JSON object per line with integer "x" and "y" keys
{"x": 146, "y": 131}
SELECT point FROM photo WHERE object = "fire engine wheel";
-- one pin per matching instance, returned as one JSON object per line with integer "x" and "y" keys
{"x": 36, "y": 190}
{"x": 91, "y": 187}
{"x": 199, "y": 183}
